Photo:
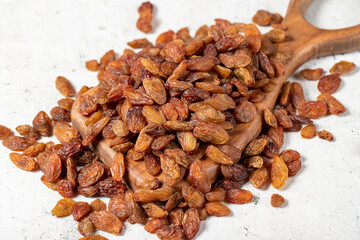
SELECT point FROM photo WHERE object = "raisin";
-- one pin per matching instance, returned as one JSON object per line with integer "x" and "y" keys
{"x": 294, "y": 167}
{"x": 312, "y": 74}
{"x": 89, "y": 191}
{"x": 117, "y": 206}
{"x": 91, "y": 173}
{"x": 191, "y": 223}
{"x": 25, "y": 131}
{"x": 64, "y": 87}
{"x": 97, "y": 205}
{"x": 217, "y": 209}
{"x": 139, "y": 43}
{"x": 4, "y": 132}
{"x": 323, "y": 134}
{"x": 106, "y": 221}
{"x": 117, "y": 167}
{"x": 154, "y": 224}
{"x": 262, "y": 18}
{"x": 329, "y": 83}
{"x": 245, "y": 111}
{"x": 63, "y": 207}
{"x": 253, "y": 37}
{"x": 135, "y": 119}
{"x": 285, "y": 94}
{"x": 313, "y": 109}
{"x": 308, "y": 131}
{"x": 278, "y": 172}
{"x": 259, "y": 177}
{"x": 93, "y": 237}
{"x": 80, "y": 210}
{"x": 199, "y": 176}
{"x": 297, "y": 95}
{"x": 334, "y": 106}
{"x": 215, "y": 195}
{"x": 270, "y": 118}
{"x": 42, "y": 124}
{"x": 86, "y": 105}
{"x": 144, "y": 22}
{"x": 169, "y": 233}
{"x": 193, "y": 197}
{"x": 86, "y": 228}
{"x": 16, "y": 143}
{"x": 342, "y": 67}
{"x": 200, "y": 64}
{"x": 255, "y": 147}
{"x": 218, "y": 156}
{"x": 154, "y": 210}
{"x": 212, "y": 133}
{"x": 236, "y": 172}
{"x": 173, "y": 201}
{"x": 110, "y": 188}
{"x": 254, "y": 162}
{"x": 135, "y": 211}
{"x": 59, "y": 114}
{"x": 238, "y": 196}
{"x": 277, "y": 200}
{"x": 65, "y": 188}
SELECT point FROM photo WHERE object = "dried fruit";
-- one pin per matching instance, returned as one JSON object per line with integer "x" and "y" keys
{"x": 154, "y": 224}
{"x": 110, "y": 188}
{"x": 312, "y": 74}
{"x": 144, "y": 22}
{"x": 308, "y": 131}
{"x": 193, "y": 197}
{"x": 262, "y": 18}
{"x": 97, "y": 205}
{"x": 334, "y": 106}
{"x": 215, "y": 195}
{"x": 200, "y": 177}
{"x": 191, "y": 223}
{"x": 342, "y": 67}
{"x": 238, "y": 196}
{"x": 91, "y": 173}
{"x": 270, "y": 118}
{"x": 86, "y": 228}
{"x": 245, "y": 111}
{"x": 106, "y": 221}
{"x": 217, "y": 209}
{"x": 323, "y": 134}
{"x": 135, "y": 211}
{"x": 169, "y": 233}
{"x": 24, "y": 162}
{"x": 329, "y": 83}
{"x": 42, "y": 124}
{"x": 117, "y": 206}
{"x": 259, "y": 177}
{"x": 117, "y": 168}
{"x": 277, "y": 200}
{"x": 218, "y": 156}
{"x": 154, "y": 210}
{"x": 63, "y": 207}
{"x": 80, "y": 210}
{"x": 278, "y": 172}
{"x": 211, "y": 132}
{"x": 313, "y": 109}
{"x": 64, "y": 87}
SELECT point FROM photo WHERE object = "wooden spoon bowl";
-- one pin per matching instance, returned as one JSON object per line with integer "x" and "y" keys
{"x": 307, "y": 42}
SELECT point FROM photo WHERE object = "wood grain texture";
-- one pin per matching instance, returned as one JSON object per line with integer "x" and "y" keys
{"x": 306, "y": 42}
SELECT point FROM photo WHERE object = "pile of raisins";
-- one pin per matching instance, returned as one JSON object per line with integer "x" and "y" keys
{"x": 172, "y": 105}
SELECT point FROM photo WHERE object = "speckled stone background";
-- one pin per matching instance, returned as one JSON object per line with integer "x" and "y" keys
{"x": 41, "y": 39}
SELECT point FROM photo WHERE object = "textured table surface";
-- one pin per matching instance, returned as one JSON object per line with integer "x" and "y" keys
{"x": 40, "y": 40}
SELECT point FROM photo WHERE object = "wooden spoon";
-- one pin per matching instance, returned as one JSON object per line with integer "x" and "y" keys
{"x": 307, "y": 42}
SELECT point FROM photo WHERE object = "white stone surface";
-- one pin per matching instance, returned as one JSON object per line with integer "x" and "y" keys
{"x": 40, "y": 40}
